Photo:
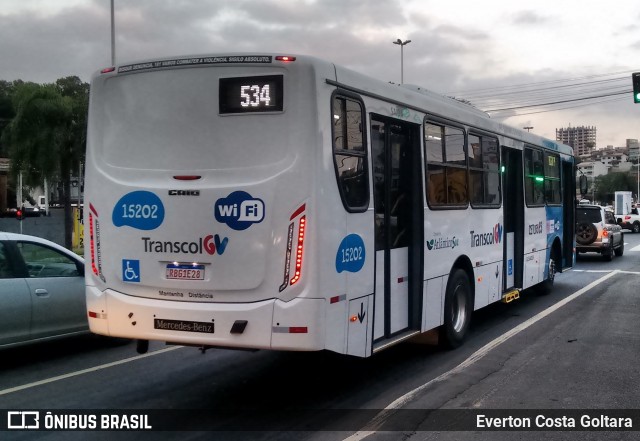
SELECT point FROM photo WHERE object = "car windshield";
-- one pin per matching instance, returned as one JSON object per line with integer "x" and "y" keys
{"x": 590, "y": 215}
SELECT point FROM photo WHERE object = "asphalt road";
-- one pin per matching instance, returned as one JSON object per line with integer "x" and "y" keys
{"x": 576, "y": 348}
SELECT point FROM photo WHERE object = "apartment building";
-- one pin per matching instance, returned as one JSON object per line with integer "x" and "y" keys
{"x": 582, "y": 139}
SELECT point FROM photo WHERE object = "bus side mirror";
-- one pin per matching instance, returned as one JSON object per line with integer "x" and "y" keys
{"x": 584, "y": 185}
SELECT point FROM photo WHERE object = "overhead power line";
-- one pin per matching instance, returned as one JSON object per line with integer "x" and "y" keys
{"x": 472, "y": 91}
{"x": 559, "y": 102}
{"x": 560, "y": 108}
{"x": 548, "y": 96}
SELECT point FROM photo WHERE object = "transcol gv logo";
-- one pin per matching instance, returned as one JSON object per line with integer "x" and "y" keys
{"x": 211, "y": 244}
{"x": 489, "y": 238}
{"x": 239, "y": 210}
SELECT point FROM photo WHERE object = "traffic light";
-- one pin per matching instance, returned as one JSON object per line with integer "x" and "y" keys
{"x": 20, "y": 214}
{"x": 635, "y": 78}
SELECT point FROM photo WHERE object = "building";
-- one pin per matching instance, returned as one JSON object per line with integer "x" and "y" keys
{"x": 610, "y": 156}
{"x": 582, "y": 139}
{"x": 591, "y": 169}
{"x": 633, "y": 150}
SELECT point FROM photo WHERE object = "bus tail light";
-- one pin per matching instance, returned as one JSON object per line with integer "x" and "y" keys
{"x": 94, "y": 243}
{"x": 285, "y": 58}
{"x": 299, "y": 250}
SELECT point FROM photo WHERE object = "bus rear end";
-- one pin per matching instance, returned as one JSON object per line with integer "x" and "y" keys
{"x": 199, "y": 202}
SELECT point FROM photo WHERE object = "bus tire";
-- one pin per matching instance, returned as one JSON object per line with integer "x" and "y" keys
{"x": 546, "y": 286}
{"x": 458, "y": 307}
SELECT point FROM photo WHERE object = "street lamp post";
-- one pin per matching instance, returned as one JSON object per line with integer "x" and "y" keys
{"x": 402, "y": 45}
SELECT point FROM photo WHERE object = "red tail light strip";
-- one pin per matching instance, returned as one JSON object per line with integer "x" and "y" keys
{"x": 94, "y": 268}
{"x": 94, "y": 246}
{"x": 299, "y": 250}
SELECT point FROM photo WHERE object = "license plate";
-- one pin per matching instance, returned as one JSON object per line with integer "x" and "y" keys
{"x": 183, "y": 325}
{"x": 184, "y": 272}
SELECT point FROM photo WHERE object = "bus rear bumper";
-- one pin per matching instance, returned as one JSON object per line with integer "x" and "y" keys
{"x": 270, "y": 324}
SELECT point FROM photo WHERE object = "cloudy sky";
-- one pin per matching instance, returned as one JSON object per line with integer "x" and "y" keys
{"x": 494, "y": 53}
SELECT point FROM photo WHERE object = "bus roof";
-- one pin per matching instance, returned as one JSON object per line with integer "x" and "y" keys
{"x": 411, "y": 96}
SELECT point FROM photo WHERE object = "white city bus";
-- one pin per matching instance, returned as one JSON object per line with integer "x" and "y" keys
{"x": 287, "y": 203}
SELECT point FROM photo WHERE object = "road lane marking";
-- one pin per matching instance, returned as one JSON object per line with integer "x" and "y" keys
{"x": 86, "y": 371}
{"x": 388, "y": 411}
{"x": 591, "y": 271}
{"x": 636, "y": 248}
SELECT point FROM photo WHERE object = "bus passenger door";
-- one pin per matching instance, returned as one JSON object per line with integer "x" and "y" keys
{"x": 513, "y": 209}
{"x": 398, "y": 206}
{"x": 568, "y": 214}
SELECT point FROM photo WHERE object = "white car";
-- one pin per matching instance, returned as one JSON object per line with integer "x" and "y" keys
{"x": 41, "y": 291}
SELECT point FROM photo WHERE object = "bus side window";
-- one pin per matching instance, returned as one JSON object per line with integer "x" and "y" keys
{"x": 534, "y": 177}
{"x": 446, "y": 165}
{"x": 350, "y": 154}
{"x": 553, "y": 192}
{"x": 484, "y": 171}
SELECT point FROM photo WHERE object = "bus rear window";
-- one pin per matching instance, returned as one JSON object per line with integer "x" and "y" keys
{"x": 171, "y": 119}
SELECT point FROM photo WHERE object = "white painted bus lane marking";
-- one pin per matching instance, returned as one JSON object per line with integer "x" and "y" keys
{"x": 86, "y": 371}
{"x": 381, "y": 417}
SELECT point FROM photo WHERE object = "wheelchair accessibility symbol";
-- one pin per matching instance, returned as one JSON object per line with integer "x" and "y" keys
{"x": 130, "y": 270}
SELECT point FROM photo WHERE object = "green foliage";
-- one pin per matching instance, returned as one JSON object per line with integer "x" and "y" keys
{"x": 6, "y": 112}
{"x": 607, "y": 185}
{"x": 38, "y": 134}
{"x": 46, "y": 136}
{"x": 6, "y": 92}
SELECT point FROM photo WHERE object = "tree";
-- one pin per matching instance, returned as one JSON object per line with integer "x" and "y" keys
{"x": 6, "y": 114}
{"x": 607, "y": 185}
{"x": 47, "y": 135}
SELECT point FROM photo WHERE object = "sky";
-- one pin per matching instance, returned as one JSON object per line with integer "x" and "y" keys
{"x": 493, "y": 53}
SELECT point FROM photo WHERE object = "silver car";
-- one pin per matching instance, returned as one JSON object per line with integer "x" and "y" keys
{"x": 41, "y": 291}
{"x": 597, "y": 231}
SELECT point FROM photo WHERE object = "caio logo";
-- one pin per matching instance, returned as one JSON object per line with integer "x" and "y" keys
{"x": 239, "y": 210}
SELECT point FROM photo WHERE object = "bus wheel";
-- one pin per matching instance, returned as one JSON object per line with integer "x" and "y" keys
{"x": 457, "y": 310}
{"x": 546, "y": 286}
